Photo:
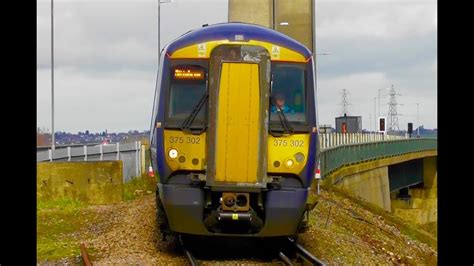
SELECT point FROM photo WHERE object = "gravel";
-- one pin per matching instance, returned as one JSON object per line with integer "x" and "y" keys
{"x": 128, "y": 235}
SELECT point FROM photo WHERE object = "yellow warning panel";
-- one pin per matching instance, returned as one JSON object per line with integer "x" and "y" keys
{"x": 238, "y": 111}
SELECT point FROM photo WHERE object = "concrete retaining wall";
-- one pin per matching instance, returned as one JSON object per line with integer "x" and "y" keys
{"x": 99, "y": 182}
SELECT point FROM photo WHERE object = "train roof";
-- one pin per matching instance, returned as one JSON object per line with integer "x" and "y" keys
{"x": 229, "y": 30}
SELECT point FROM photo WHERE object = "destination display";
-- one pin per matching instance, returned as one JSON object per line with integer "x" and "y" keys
{"x": 189, "y": 73}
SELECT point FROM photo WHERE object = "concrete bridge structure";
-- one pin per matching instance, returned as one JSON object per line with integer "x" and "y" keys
{"x": 395, "y": 173}
{"x": 398, "y": 175}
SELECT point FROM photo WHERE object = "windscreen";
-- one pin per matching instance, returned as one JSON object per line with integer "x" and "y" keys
{"x": 188, "y": 85}
{"x": 288, "y": 92}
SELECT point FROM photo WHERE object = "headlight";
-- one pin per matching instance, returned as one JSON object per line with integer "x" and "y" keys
{"x": 299, "y": 157}
{"x": 289, "y": 163}
{"x": 173, "y": 153}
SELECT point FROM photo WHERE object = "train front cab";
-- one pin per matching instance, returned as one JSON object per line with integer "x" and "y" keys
{"x": 229, "y": 164}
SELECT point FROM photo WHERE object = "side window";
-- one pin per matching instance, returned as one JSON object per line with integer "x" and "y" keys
{"x": 288, "y": 92}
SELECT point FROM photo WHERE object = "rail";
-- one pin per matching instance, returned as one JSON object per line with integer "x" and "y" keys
{"x": 333, "y": 158}
{"x": 302, "y": 254}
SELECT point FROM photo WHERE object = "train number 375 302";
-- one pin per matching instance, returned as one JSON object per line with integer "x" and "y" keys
{"x": 189, "y": 140}
{"x": 292, "y": 143}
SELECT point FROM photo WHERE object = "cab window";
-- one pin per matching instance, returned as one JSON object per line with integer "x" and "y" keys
{"x": 187, "y": 87}
{"x": 288, "y": 92}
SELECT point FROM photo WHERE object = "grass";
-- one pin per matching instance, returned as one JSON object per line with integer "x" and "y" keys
{"x": 431, "y": 228}
{"x": 62, "y": 224}
{"x": 414, "y": 231}
{"x": 67, "y": 205}
{"x": 57, "y": 222}
{"x": 143, "y": 183}
{"x": 339, "y": 236}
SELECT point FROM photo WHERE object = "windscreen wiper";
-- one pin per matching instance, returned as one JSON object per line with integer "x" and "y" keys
{"x": 186, "y": 125}
{"x": 287, "y": 128}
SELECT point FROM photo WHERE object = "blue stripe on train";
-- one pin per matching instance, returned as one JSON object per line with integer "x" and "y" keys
{"x": 229, "y": 30}
{"x": 160, "y": 149}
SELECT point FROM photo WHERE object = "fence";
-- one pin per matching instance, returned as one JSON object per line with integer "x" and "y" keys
{"x": 333, "y": 158}
{"x": 45, "y": 148}
{"x": 328, "y": 140}
{"x": 131, "y": 154}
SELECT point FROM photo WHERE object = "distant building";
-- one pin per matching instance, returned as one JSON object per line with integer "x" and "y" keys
{"x": 325, "y": 129}
{"x": 349, "y": 124}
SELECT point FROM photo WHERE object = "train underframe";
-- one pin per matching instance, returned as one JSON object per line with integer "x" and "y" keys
{"x": 187, "y": 206}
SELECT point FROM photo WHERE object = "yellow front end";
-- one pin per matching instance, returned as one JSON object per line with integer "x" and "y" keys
{"x": 287, "y": 154}
{"x": 190, "y": 150}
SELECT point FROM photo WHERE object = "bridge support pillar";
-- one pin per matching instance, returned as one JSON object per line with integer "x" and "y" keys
{"x": 430, "y": 172}
{"x": 421, "y": 207}
{"x": 372, "y": 185}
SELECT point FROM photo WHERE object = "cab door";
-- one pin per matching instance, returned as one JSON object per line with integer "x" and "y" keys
{"x": 239, "y": 83}
{"x": 238, "y": 127}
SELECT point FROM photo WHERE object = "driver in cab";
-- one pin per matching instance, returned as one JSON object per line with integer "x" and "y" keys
{"x": 280, "y": 105}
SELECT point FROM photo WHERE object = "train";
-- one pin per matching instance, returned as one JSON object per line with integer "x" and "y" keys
{"x": 234, "y": 136}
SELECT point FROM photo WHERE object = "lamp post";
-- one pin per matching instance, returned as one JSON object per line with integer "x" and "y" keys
{"x": 375, "y": 113}
{"x": 52, "y": 76}
{"x": 418, "y": 120}
{"x": 159, "y": 25}
{"x": 379, "y": 98}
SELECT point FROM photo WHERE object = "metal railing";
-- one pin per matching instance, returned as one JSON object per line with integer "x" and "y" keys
{"x": 333, "y": 158}
{"x": 130, "y": 153}
{"x": 328, "y": 140}
{"x": 45, "y": 148}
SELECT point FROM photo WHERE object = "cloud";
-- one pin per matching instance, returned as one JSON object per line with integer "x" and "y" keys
{"x": 392, "y": 20}
{"x": 106, "y": 57}
{"x": 125, "y": 33}
{"x": 117, "y": 101}
{"x": 363, "y": 87}
{"x": 88, "y": 34}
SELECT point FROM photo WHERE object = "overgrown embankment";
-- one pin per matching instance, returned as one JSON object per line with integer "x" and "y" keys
{"x": 62, "y": 225}
{"x": 344, "y": 230}
{"x": 348, "y": 230}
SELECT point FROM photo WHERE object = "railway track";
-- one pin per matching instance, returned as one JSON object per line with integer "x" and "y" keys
{"x": 303, "y": 256}
{"x": 191, "y": 259}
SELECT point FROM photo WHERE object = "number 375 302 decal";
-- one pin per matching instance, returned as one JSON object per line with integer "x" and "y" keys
{"x": 189, "y": 140}
{"x": 291, "y": 143}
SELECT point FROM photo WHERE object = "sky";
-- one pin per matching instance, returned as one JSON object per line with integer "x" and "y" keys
{"x": 106, "y": 58}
